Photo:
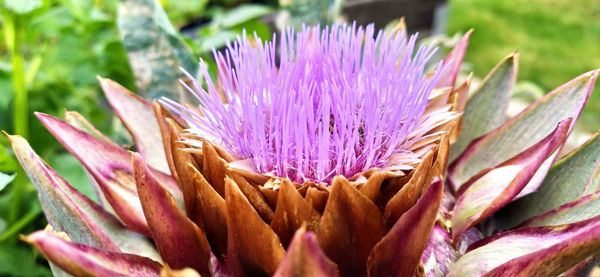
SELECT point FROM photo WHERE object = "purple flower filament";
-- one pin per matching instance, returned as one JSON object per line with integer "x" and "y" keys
{"x": 334, "y": 102}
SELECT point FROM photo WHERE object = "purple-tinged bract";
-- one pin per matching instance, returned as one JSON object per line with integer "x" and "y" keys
{"x": 337, "y": 101}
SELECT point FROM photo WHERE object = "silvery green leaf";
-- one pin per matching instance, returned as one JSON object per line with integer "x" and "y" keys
{"x": 486, "y": 109}
{"x": 69, "y": 211}
{"x": 494, "y": 188}
{"x": 578, "y": 210}
{"x": 5, "y": 179}
{"x": 100, "y": 158}
{"x": 523, "y": 130}
{"x": 310, "y": 12}
{"x": 573, "y": 176}
{"x": 155, "y": 51}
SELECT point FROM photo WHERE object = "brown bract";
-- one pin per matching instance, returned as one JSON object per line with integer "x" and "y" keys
{"x": 252, "y": 219}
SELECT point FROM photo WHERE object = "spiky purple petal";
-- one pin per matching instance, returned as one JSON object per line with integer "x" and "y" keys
{"x": 332, "y": 102}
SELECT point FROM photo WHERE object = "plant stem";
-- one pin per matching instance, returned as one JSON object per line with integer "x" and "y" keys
{"x": 21, "y": 106}
{"x": 13, "y": 38}
{"x": 18, "y": 187}
{"x": 22, "y": 223}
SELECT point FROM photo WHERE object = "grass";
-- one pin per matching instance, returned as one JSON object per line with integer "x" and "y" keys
{"x": 557, "y": 40}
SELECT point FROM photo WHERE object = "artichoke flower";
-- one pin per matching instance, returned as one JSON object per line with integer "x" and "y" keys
{"x": 335, "y": 152}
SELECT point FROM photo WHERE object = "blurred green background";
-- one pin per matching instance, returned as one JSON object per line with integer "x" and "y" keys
{"x": 52, "y": 51}
{"x": 557, "y": 40}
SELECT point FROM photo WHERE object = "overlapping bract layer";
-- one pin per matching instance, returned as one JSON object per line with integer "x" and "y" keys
{"x": 233, "y": 220}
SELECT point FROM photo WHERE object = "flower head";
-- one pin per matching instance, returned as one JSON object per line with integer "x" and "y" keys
{"x": 337, "y": 101}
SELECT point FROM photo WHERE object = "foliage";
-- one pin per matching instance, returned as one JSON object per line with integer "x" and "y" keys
{"x": 155, "y": 49}
{"x": 298, "y": 12}
{"x": 227, "y": 25}
{"x": 54, "y": 50}
{"x": 557, "y": 39}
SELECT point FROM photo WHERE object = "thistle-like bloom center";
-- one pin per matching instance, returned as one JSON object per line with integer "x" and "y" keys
{"x": 337, "y": 101}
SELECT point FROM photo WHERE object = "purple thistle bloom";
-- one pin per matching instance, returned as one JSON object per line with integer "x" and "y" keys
{"x": 334, "y": 102}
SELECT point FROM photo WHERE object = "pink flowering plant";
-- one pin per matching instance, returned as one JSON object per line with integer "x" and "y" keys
{"x": 332, "y": 151}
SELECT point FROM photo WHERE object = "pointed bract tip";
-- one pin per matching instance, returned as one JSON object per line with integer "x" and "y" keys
{"x": 589, "y": 76}
{"x": 468, "y": 34}
{"x": 339, "y": 178}
{"x": 565, "y": 123}
{"x": 513, "y": 56}
{"x": 42, "y": 116}
{"x": 594, "y": 73}
{"x": 137, "y": 158}
{"x": 7, "y": 135}
{"x": 401, "y": 25}
{"x": 104, "y": 82}
{"x": 25, "y": 238}
{"x": 469, "y": 79}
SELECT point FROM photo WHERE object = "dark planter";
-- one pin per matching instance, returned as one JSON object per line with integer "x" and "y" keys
{"x": 424, "y": 16}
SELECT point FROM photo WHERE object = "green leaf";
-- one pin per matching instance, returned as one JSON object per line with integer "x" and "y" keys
{"x": 155, "y": 51}
{"x": 579, "y": 210}
{"x": 184, "y": 12}
{"x": 25, "y": 220}
{"x": 569, "y": 179}
{"x": 311, "y": 11}
{"x": 159, "y": 15}
{"x": 216, "y": 40}
{"x": 486, "y": 109}
{"x": 523, "y": 130}
{"x": 262, "y": 30}
{"x": 22, "y": 6}
{"x": 78, "y": 8}
{"x": 241, "y": 14}
{"x": 19, "y": 260}
{"x": 5, "y": 179}
{"x": 7, "y": 163}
